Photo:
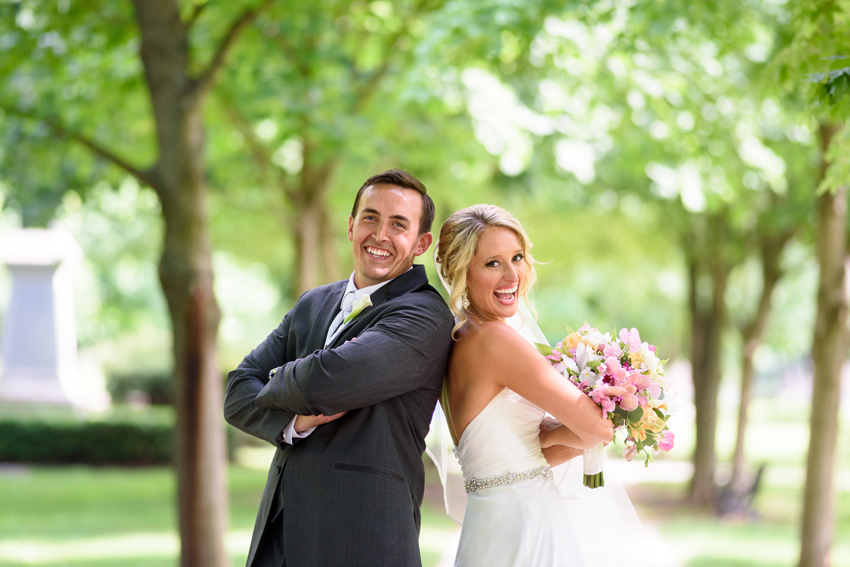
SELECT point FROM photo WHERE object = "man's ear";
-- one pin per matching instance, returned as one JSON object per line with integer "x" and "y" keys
{"x": 424, "y": 243}
{"x": 351, "y": 228}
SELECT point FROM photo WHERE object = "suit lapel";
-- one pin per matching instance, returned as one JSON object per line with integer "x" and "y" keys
{"x": 409, "y": 281}
{"x": 327, "y": 313}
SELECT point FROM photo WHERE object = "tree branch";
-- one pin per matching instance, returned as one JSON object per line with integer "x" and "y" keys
{"x": 144, "y": 176}
{"x": 270, "y": 173}
{"x": 196, "y": 13}
{"x": 205, "y": 79}
{"x": 367, "y": 89}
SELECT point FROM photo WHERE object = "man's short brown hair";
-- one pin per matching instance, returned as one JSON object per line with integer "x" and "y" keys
{"x": 401, "y": 178}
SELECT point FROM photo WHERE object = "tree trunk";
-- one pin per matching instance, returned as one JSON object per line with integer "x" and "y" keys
{"x": 771, "y": 254}
{"x": 330, "y": 258}
{"x": 308, "y": 238}
{"x": 707, "y": 337}
{"x": 829, "y": 351}
{"x": 187, "y": 280}
{"x": 310, "y": 223}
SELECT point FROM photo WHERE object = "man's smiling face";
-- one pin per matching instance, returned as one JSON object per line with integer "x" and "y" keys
{"x": 385, "y": 233}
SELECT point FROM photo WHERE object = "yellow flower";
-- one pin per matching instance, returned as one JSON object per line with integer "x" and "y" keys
{"x": 650, "y": 421}
{"x": 571, "y": 341}
{"x": 636, "y": 358}
{"x": 574, "y": 340}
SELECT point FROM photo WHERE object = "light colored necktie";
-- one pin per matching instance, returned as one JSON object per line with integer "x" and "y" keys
{"x": 345, "y": 310}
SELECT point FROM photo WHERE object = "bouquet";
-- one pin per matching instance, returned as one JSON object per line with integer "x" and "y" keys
{"x": 625, "y": 377}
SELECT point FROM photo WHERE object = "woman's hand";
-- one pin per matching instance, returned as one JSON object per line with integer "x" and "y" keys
{"x": 560, "y": 454}
{"x": 547, "y": 427}
{"x": 554, "y": 433}
{"x": 305, "y": 422}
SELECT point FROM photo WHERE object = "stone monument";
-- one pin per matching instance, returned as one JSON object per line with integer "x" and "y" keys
{"x": 39, "y": 343}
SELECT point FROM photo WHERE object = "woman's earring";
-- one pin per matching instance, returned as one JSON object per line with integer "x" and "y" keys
{"x": 464, "y": 300}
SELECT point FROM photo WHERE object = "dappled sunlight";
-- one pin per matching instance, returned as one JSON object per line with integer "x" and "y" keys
{"x": 255, "y": 458}
{"x": 125, "y": 546}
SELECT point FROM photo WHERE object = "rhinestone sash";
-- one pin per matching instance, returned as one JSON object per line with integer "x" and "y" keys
{"x": 473, "y": 485}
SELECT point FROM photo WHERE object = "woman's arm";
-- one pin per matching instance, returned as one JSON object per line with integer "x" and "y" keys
{"x": 551, "y": 437}
{"x": 560, "y": 454}
{"x": 512, "y": 362}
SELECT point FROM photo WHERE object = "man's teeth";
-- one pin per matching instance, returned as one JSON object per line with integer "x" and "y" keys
{"x": 377, "y": 252}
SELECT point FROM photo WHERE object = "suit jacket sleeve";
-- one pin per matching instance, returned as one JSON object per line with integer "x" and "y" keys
{"x": 403, "y": 351}
{"x": 249, "y": 378}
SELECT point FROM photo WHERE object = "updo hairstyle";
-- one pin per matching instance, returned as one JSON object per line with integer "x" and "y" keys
{"x": 457, "y": 246}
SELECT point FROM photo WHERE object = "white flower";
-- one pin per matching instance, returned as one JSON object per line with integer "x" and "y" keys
{"x": 598, "y": 338}
{"x": 584, "y": 354}
{"x": 650, "y": 360}
{"x": 570, "y": 364}
{"x": 588, "y": 375}
{"x": 358, "y": 306}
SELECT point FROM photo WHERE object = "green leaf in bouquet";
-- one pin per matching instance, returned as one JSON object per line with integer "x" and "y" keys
{"x": 594, "y": 364}
{"x": 635, "y": 415}
{"x": 543, "y": 349}
{"x": 660, "y": 414}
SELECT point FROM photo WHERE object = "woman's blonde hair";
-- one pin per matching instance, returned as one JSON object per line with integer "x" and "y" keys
{"x": 458, "y": 242}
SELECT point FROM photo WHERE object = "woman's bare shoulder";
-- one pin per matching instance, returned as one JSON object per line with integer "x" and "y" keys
{"x": 493, "y": 342}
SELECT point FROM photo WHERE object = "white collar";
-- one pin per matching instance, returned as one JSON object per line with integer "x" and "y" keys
{"x": 368, "y": 290}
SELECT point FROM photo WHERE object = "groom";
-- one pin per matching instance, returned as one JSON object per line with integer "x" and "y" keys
{"x": 345, "y": 388}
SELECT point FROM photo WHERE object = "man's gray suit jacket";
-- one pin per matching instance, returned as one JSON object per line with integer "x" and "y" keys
{"x": 350, "y": 493}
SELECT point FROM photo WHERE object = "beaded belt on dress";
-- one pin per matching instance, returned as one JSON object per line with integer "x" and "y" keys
{"x": 473, "y": 485}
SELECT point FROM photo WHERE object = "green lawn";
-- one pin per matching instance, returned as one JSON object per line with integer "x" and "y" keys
{"x": 84, "y": 516}
{"x": 120, "y": 516}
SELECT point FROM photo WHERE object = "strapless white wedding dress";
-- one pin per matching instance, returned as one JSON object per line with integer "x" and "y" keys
{"x": 515, "y": 515}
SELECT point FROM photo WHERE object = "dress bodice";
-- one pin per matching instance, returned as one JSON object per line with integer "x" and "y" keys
{"x": 502, "y": 438}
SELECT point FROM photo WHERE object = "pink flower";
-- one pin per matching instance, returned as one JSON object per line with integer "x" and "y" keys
{"x": 619, "y": 375}
{"x": 652, "y": 348}
{"x": 631, "y": 338}
{"x": 612, "y": 364}
{"x": 629, "y": 402}
{"x": 654, "y": 390}
{"x": 629, "y": 452}
{"x": 667, "y": 443}
{"x": 640, "y": 381}
{"x": 613, "y": 391}
{"x": 603, "y": 400}
{"x": 612, "y": 350}
{"x": 586, "y": 327}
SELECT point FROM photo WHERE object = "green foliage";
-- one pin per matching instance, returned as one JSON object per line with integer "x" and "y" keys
{"x": 813, "y": 58}
{"x": 123, "y": 436}
{"x": 158, "y": 387}
{"x": 832, "y": 90}
{"x": 127, "y": 438}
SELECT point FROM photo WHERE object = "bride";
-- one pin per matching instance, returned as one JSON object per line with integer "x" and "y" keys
{"x": 496, "y": 394}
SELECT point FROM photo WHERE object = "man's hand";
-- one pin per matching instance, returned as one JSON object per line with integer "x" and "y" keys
{"x": 305, "y": 422}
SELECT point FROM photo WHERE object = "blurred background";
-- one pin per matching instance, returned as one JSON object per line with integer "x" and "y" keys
{"x": 175, "y": 173}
